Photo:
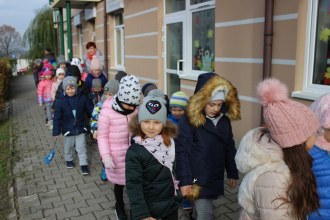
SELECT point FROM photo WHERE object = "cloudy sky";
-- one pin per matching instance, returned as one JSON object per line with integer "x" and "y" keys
{"x": 19, "y": 13}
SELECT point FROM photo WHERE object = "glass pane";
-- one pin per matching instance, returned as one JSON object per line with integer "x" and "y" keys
{"x": 203, "y": 40}
{"x": 118, "y": 19}
{"x": 173, "y": 83}
{"x": 321, "y": 73}
{"x": 174, "y": 6}
{"x": 194, "y": 2}
{"x": 173, "y": 44}
{"x": 118, "y": 45}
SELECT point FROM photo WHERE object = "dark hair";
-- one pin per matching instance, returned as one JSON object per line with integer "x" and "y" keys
{"x": 48, "y": 49}
{"x": 302, "y": 190}
{"x": 169, "y": 130}
{"x": 90, "y": 44}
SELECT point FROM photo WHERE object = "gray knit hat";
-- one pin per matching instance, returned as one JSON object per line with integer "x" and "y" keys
{"x": 111, "y": 87}
{"x": 129, "y": 91}
{"x": 69, "y": 81}
{"x": 96, "y": 84}
{"x": 153, "y": 107}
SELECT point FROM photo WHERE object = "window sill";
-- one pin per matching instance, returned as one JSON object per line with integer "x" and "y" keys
{"x": 306, "y": 95}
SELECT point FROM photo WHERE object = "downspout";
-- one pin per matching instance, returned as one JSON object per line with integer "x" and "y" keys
{"x": 69, "y": 31}
{"x": 268, "y": 39}
{"x": 268, "y": 43}
{"x": 61, "y": 32}
{"x": 105, "y": 37}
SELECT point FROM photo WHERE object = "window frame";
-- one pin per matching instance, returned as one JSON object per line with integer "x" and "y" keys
{"x": 121, "y": 29}
{"x": 310, "y": 91}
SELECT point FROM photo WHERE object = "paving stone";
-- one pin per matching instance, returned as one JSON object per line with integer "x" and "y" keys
{"x": 88, "y": 216}
{"x": 90, "y": 208}
{"x": 68, "y": 214}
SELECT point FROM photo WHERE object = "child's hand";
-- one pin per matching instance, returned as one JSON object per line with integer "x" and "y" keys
{"x": 40, "y": 104}
{"x": 149, "y": 218}
{"x": 95, "y": 135}
{"x": 232, "y": 183}
{"x": 185, "y": 190}
{"x": 108, "y": 163}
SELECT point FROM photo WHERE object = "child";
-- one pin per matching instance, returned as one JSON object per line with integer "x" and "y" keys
{"x": 69, "y": 120}
{"x": 37, "y": 66}
{"x": 279, "y": 183}
{"x": 95, "y": 73}
{"x": 205, "y": 145}
{"x": 178, "y": 104}
{"x": 146, "y": 88}
{"x": 60, "y": 74}
{"x": 96, "y": 91}
{"x": 151, "y": 185}
{"x": 113, "y": 136}
{"x": 321, "y": 159}
{"x": 110, "y": 89}
{"x": 44, "y": 94}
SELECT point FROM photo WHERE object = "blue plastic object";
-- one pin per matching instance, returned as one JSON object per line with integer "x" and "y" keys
{"x": 48, "y": 159}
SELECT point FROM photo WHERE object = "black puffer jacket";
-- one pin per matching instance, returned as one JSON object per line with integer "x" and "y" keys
{"x": 149, "y": 185}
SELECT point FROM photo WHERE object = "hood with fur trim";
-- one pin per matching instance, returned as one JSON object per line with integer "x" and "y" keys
{"x": 205, "y": 87}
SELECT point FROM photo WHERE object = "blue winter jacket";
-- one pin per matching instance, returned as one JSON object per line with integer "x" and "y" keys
{"x": 321, "y": 169}
{"x": 172, "y": 119}
{"x": 89, "y": 80}
{"x": 64, "y": 120}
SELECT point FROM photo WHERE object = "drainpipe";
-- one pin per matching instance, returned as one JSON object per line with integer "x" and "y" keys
{"x": 105, "y": 37}
{"x": 268, "y": 39}
{"x": 268, "y": 43}
{"x": 69, "y": 32}
{"x": 61, "y": 32}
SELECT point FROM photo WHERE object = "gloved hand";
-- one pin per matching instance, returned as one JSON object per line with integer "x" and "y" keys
{"x": 108, "y": 163}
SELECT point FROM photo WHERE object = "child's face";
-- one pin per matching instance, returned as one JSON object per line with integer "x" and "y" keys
{"x": 127, "y": 107}
{"x": 213, "y": 108}
{"x": 62, "y": 65}
{"x": 96, "y": 73}
{"x": 327, "y": 134}
{"x": 177, "y": 112}
{"x": 61, "y": 76}
{"x": 151, "y": 128}
{"x": 70, "y": 91}
{"x": 108, "y": 95}
{"x": 310, "y": 142}
{"x": 48, "y": 77}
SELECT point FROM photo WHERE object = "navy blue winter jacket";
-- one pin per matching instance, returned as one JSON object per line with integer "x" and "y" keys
{"x": 65, "y": 122}
{"x": 89, "y": 80}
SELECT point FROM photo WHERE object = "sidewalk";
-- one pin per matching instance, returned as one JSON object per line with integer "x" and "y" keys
{"x": 54, "y": 192}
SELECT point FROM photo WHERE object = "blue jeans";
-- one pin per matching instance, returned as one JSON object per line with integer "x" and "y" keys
{"x": 203, "y": 209}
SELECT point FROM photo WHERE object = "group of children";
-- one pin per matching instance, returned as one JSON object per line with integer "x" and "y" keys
{"x": 164, "y": 149}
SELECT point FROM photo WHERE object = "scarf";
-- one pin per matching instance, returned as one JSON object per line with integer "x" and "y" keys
{"x": 165, "y": 155}
{"x": 90, "y": 57}
{"x": 116, "y": 105}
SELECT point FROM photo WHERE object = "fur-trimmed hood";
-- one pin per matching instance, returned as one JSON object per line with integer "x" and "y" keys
{"x": 207, "y": 83}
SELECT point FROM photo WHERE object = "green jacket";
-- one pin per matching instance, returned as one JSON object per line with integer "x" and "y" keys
{"x": 149, "y": 185}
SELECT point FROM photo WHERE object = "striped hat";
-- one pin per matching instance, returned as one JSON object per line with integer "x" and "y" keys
{"x": 179, "y": 99}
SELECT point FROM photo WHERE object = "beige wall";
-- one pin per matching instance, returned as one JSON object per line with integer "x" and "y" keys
{"x": 143, "y": 20}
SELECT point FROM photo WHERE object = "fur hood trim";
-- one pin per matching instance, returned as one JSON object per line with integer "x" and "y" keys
{"x": 198, "y": 101}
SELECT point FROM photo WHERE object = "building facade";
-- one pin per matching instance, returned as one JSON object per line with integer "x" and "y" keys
{"x": 171, "y": 42}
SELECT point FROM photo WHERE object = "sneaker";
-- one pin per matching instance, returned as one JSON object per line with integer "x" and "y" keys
{"x": 103, "y": 175}
{"x": 70, "y": 164}
{"x": 84, "y": 170}
{"x": 186, "y": 205}
{"x": 120, "y": 212}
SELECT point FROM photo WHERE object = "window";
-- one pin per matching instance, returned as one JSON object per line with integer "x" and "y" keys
{"x": 119, "y": 41}
{"x": 317, "y": 54}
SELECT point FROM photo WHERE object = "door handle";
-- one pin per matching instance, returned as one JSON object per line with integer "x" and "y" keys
{"x": 178, "y": 66}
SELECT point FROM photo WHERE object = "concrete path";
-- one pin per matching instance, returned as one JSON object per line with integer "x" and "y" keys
{"x": 54, "y": 192}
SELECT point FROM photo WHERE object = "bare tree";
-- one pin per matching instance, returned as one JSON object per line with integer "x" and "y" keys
{"x": 10, "y": 40}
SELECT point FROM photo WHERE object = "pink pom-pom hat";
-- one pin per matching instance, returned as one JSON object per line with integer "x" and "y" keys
{"x": 290, "y": 123}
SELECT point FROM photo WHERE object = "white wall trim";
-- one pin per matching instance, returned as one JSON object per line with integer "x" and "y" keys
{"x": 85, "y": 30}
{"x": 100, "y": 9}
{"x": 140, "y": 13}
{"x": 248, "y": 99}
{"x": 256, "y": 20}
{"x": 99, "y": 41}
{"x": 74, "y": 34}
{"x": 254, "y": 60}
{"x": 238, "y": 60}
{"x": 99, "y": 26}
{"x": 148, "y": 79}
{"x": 141, "y": 57}
{"x": 141, "y": 35}
{"x": 191, "y": 88}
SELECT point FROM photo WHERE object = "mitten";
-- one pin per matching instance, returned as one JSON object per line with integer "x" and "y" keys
{"x": 108, "y": 163}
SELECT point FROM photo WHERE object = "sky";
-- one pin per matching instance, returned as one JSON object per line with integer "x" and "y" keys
{"x": 19, "y": 13}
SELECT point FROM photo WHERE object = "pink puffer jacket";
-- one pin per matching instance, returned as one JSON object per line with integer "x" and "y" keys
{"x": 44, "y": 88}
{"x": 55, "y": 87}
{"x": 114, "y": 139}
